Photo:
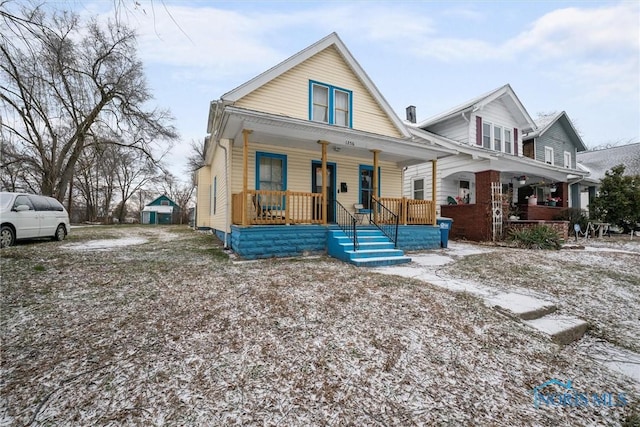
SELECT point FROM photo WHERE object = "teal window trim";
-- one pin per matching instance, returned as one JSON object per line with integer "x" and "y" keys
{"x": 369, "y": 168}
{"x": 283, "y": 157}
{"x": 332, "y": 89}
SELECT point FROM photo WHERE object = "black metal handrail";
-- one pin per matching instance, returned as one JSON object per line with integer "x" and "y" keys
{"x": 347, "y": 223}
{"x": 385, "y": 220}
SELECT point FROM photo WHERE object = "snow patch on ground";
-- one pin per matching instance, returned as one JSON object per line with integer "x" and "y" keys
{"x": 519, "y": 304}
{"x": 424, "y": 267}
{"x": 105, "y": 244}
{"x": 615, "y": 358}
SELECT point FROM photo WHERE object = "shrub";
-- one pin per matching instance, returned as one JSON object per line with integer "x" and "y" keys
{"x": 618, "y": 201}
{"x": 574, "y": 216}
{"x": 538, "y": 237}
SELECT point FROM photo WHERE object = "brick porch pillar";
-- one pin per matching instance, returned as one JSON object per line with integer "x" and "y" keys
{"x": 563, "y": 188}
{"x": 483, "y": 200}
{"x": 483, "y": 185}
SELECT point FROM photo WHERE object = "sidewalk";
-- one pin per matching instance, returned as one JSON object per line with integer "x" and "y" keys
{"x": 537, "y": 310}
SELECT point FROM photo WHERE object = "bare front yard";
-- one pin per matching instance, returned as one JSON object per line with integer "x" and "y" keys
{"x": 155, "y": 326}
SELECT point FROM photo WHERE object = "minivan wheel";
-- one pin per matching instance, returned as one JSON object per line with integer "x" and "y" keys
{"x": 7, "y": 236}
{"x": 61, "y": 233}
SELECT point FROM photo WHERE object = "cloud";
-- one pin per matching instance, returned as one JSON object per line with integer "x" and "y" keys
{"x": 203, "y": 37}
{"x": 570, "y": 32}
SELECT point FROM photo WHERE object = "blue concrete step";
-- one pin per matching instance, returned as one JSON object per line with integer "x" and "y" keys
{"x": 374, "y": 253}
{"x": 374, "y": 248}
{"x": 380, "y": 261}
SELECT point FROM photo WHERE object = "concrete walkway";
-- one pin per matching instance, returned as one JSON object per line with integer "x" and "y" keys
{"x": 537, "y": 310}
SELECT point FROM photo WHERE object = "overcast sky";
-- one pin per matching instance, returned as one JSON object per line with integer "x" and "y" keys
{"x": 581, "y": 57}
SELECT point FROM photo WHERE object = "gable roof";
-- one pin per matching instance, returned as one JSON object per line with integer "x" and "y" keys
{"x": 544, "y": 124}
{"x": 155, "y": 201}
{"x": 597, "y": 162}
{"x": 289, "y": 63}
{"x": 479, "y": 102}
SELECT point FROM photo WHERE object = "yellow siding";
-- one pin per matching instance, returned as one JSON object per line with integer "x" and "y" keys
{"x": 205, "y": 193}
{"x": 203, "y": 218}
{"x": 288, "y": 94}
{"x": 219, "y": 219}
{"x": 299, "y": 171}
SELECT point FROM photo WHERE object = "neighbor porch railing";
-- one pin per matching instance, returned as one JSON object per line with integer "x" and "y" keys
{"x": 265, "y": 207}
{"x": 385, "y": 220}
{"x": 410, "y": 211}
{"x": 347, "y": 223}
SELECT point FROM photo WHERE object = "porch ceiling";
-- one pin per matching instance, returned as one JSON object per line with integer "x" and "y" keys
{"x": 288, "y": 132}
{"x": 515, "y": 166}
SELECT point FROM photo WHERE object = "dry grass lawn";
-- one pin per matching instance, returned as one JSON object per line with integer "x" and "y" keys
{"x": 165, "y": 330}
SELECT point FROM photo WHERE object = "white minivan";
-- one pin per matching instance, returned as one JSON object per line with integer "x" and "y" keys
{"x": 28, "y": 216}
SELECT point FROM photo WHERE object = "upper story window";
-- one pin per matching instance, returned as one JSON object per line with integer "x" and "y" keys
{"x": 548, "y": 155}
{"x": 508, "y": 141}
{"x": 486, "y": 135}
{"x": 497, "y": 137}
{"x": 567, "y": 160}
{"x": 330, "y": 104}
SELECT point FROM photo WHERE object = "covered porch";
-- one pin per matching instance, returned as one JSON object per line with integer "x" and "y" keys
{"x": 488, "y": 198}
{"x": 316, "y": 179}
{"x": 340, "y": 172}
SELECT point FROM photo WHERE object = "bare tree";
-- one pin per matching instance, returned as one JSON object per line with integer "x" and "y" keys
{"x": 95, "y": 177}
{"x": 65, "y": 84}
{"x": 196, "y": 158}
{"x": 133, "y": 172}
{"x": 179, "y": 192}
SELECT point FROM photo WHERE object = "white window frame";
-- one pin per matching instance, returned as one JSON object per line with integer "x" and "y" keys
{"x": 464, "y": 192}
{"x": 486, "y": 137}
{"x": 548, "y": 155}
{"x": 315, "y": 103}
{"x": 491, "y": 138}
{"x": 497, "y": 139}
{"x": 567, "y": 160}
{"x": 508, "y": 142}
{"x": 413, "y": 188}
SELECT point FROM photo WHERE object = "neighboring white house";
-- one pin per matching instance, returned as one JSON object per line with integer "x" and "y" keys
{"x": 487, "y": 132}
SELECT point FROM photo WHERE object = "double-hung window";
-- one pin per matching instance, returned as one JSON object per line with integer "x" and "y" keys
{"x": 508, "y": 143}
{"x": 548, "y": 155}
{"x": 320, "y": 103}
{"x": 418, "y": 189}
{"x": 271, "y": 174}
{"x": 271, "y": 171}
{"x": 497, "y": 138}
{"x": 567, "y": 160}
{"x": 486, "y": 135}
{"x": 330, "y": 104}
